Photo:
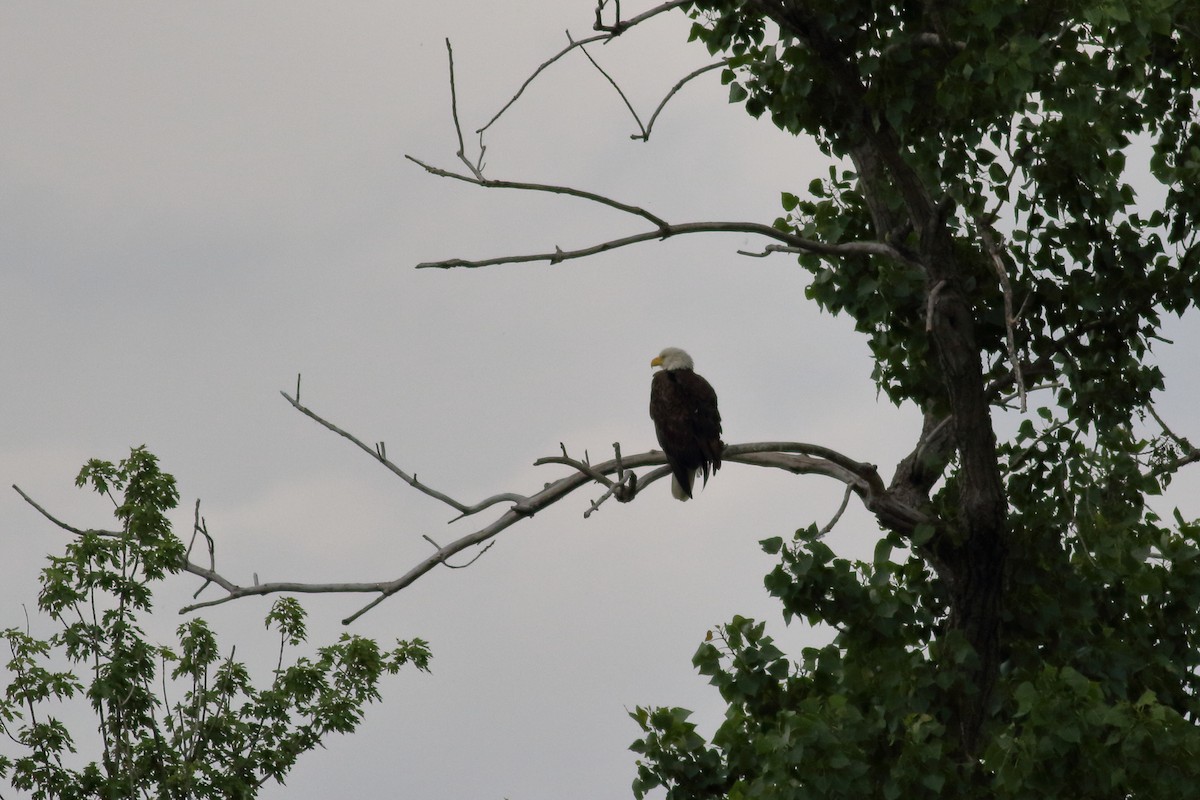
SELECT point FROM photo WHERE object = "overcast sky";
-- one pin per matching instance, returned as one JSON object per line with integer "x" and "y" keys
{"x": 200, "y": 201}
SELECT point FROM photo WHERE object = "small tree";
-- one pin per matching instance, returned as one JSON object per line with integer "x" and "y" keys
{"x": 222, "y": 737}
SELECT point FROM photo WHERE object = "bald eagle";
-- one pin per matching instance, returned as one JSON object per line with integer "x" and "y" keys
{"x": 684, "y": 408}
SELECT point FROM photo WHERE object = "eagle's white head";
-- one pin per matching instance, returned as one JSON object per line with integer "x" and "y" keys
{"x": 673, "y": 358}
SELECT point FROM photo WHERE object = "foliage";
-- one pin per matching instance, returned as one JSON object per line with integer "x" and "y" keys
{"x": 222, "y": 737}
{"x": 1095, "y": 706}
{"x": 988, "y": 143}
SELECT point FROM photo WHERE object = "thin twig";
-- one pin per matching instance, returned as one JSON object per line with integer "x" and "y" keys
{"x": 575, "y": 464}
{"x": 837, "y": 516}
{"x": 595, "y": 506}
{"x": 60, "y": 523}
{"x": 601, "y": 37}
{"x": 464, "y": 509}
{"x": 614, "y": 84}
{"x": 617, "y": 26}
{"x": 489, "y": 183}
{"x": 459, "y": 566}
{"x": 1183, "y": 443}
{"x": 645, "y": 134}
{"x": 200, "y": 526}
{"x": 476, "y": 169}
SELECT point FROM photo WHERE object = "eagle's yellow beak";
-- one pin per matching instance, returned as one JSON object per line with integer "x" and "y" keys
{"x": 656, "y": 361}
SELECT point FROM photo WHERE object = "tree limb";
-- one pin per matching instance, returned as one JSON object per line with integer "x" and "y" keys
{"x": 477, "y": 167}
{"x": 59, "y": 523}
{"x": 489, "y": 183}
{"x": 796, "y": 457}
{"x": 607, "y": 34}
{"x": 669, "y": 230}
{"x": 378, "y": 454}
{"x": 645, "y": 134}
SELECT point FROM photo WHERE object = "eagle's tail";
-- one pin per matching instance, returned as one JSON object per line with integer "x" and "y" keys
{"x": 678, "y": 490}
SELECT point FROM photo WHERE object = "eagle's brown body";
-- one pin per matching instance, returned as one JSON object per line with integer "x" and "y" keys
{"x": 684, "y": 408}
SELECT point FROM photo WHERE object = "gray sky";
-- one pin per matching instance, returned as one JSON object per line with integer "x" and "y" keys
{"x": 200, "y": 201}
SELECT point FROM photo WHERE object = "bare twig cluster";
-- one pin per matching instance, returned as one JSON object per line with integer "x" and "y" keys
{"x": 790, "y": 243}
{"x": 787, "y": 242}
{"x": 606, "y": 32}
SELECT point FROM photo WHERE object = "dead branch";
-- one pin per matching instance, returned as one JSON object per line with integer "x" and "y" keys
{"x": 645, "y": 134}
{"x": 790, "y": 242}
{"x": 378, "y": 452}
{"x": 645, "y": 128}
{"x": 200, "y": 528}
{"x": 59, "y": 523}
{"x": 488, "y": 183}
{"x": 477, "y": 167}
{"x": 209, "y": 575}
{"x": 837, "y": 514}
{"x": 796, "y": 457}
{"x": 608, "y": 32}
{"x": 615, "y": 86}
{"x": 664, "y": 231}
{"x": 559, "y": 255}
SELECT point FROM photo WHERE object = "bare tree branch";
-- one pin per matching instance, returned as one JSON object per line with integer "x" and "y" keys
{"x": 838, "y": 514}
{"x": 488, "y": 183}
{"x": 645, "y": 134}
{"x": 200, "y": 528}
{"x": 664, "y": 229}
{"x": 474, "y": 558}
{"x": 58, "y": 522}
{"x": 614, "y": 84}
{"x": 790, "y": 242}
{"x": 559, "y": 255}
{"x": 210, "y": 575}
{"x": 377, "y": 453}
{"x": 607, "y": 33}
{"x": 645, "y": 129}
{"x": 477, "y": 167}
{"x": 795, "y": 457}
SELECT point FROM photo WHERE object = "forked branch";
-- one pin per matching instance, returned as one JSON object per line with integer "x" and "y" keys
{"x": 607, "y": 33}
{"x": 663, "y": 229}
{"x": 796, "y": 457}
{"x": 788, "y": 242}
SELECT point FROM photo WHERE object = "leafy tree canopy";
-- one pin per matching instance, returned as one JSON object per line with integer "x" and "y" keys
{"x": 1034, "y": 633}
{"x": 223, "y": 736}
